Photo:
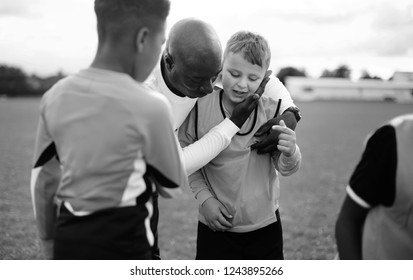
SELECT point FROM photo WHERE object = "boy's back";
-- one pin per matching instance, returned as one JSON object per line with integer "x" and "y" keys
{"x": 102, "y": 125}
{"x": 114, "y": 142}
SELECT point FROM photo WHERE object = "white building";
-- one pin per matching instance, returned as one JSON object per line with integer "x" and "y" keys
{"x": 306, "y": 89}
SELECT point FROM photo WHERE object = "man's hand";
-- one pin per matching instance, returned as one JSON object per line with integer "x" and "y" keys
{"x": 270, "y": 141}
{"x": 216, "y": 215}
{"x": 243, "y": 110}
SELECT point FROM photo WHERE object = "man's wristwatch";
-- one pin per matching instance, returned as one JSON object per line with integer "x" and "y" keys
{"x": 295, "y": 111}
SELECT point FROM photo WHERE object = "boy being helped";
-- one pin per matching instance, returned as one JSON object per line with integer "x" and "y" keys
{"x": 243, "y": 183}
{"x": 104, "y": 140}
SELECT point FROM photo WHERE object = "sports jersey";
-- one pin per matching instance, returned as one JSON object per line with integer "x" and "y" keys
{"x": 382, "y": 182}
{"x": 244, "y": 181}
{"x": 103, "y": 142}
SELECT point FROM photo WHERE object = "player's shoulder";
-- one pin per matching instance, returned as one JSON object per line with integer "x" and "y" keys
{"x": 55, "y": 91}
{"x": 150, "y": 101}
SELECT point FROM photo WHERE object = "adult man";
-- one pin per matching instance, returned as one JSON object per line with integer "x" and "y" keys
{"x": 104, "y": 140}
{"x": 189, "y": 67}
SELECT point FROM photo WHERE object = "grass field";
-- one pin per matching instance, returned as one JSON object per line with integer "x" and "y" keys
{"x": 330, "y": 136}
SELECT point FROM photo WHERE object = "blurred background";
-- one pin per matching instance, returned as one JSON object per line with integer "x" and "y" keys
{"x": 42, "y": 41}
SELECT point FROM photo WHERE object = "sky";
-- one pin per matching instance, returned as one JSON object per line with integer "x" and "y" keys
{"x": 43, "y": 37}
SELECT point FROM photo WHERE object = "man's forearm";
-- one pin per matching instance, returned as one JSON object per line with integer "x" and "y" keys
{"x": 199, "y": 153}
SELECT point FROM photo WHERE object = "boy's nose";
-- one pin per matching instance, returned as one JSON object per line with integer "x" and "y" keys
{"x": 242, "y": 83}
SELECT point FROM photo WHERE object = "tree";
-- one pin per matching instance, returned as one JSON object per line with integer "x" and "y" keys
{"x": 13, "y": 82}
{"x": 366, "y": 76}
{"x": 290, "y": 72}
{"x": 342, "y": 71}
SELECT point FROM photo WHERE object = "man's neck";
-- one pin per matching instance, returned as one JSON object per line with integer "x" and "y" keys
{"x": 167, "y": 81}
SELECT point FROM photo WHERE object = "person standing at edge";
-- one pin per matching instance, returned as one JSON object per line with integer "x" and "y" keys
{"x": 188, "y": 69}
{"x": 376, "y": 218}
{"x": 105, "y": 141}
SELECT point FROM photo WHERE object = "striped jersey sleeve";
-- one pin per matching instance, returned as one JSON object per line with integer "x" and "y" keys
{"x": 373, "y": 180}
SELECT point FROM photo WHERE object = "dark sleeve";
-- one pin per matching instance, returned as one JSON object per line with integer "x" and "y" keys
{"x": 374, "y": 178}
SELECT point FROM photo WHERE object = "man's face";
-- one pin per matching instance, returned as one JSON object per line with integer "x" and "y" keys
{"x": 240, "y": 78}
{"x": 195, "y": 79}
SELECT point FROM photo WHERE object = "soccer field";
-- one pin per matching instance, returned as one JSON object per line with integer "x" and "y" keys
{"x": 330, "y": 135}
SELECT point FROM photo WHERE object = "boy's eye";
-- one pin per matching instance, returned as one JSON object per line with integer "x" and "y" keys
{"x": 234, "y": 74}
{"x": 253, "y": 79}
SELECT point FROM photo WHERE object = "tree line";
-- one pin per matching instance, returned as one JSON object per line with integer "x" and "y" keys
{"x": 14, "y": 82}
{"x": 342, "y": 71}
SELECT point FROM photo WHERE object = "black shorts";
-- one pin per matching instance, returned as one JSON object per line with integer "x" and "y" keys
{"x": 262, "y": 244}
{"x": 115, "y": 233}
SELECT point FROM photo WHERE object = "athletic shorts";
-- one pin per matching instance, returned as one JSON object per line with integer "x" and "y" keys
{"x": 262, "y": 244}
{"x": 115, "y": 233}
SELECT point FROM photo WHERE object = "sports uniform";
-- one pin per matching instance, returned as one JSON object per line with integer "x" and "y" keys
{"x": 245, "y": 182}
{"x": 382, "y": 183}
{"x": 103, "y": 143}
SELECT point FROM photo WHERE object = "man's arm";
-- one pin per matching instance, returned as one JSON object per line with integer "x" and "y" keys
{"x": 349, "y": 228}
{"x": 198, "y": 153}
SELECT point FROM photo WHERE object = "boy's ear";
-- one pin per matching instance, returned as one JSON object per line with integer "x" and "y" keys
{"x": 169, "y": 62}
{"x": 141, "y": 39}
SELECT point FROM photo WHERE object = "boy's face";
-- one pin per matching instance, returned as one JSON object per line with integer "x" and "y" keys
{"x": 240, "y": 78}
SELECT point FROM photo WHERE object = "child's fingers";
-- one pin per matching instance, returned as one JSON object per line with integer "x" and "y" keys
{"x": 285, "y": 143}
{"x": 282, "y": 129}
{"x": 287, "y": 137}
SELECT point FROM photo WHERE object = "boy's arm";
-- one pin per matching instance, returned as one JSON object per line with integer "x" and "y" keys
{"x": 198, "y": 153}
{"x": 211, "y": 208}
{"x": 162, "y": 153}
{"x": 290, "y": 115}
{"x": 45, "y": 179}
{"x": 187, "y": 137}
{"x": 287, "y": 159}
{"x": 348, "y": 230}
{"x": 372, "y": 183}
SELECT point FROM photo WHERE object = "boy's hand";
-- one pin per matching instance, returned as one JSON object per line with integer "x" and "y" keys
{"x": 287, "y": 138}
{"x": 216, "y": 215}
{"x": 270, "y": 141}
{"x": 243, "y": 110}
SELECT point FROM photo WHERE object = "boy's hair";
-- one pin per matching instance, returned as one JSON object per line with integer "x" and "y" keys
{"x": 252, "y": 46}
{"x": 119, "y": 17}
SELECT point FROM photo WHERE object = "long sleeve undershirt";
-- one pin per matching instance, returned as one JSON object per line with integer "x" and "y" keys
{"x": 198, "y": 154}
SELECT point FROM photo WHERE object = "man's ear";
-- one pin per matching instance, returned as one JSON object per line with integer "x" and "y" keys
{"x": 169, "y": 62}
{"x": 141, "y": 39}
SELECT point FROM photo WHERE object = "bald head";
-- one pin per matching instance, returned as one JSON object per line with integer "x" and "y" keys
{"x": 193, "y": 41}
{"x": 192, "y": 58}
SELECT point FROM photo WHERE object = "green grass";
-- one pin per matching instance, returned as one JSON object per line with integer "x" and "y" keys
{"x": 330, "y": 135}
